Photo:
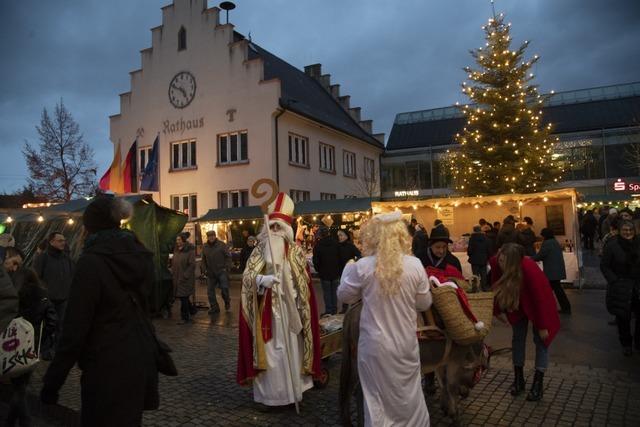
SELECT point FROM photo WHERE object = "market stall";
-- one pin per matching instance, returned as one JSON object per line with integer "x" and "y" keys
{"x": 229, "y": 225}
{"x": 154, "y": 225}
{"x": 336, "y": 214}
{"x": 555, "y": 209}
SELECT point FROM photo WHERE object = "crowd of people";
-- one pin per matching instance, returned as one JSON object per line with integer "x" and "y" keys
{"x": 94, "y": 312}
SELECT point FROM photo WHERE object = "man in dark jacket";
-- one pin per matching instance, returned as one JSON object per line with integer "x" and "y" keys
{"x": 479, "y": 252}
{"x": 508, "y": 232}
{"x": 55, "y": 268}
{"x": 249, "y": 245}
{"x": 107, "y": 326}
{"x": 526, "y": 237}
{"x": 326, "y": 261}
{"x": 420, "y": 242}
{"x": 216, "y": 260}
{"x": 588, "y": 228}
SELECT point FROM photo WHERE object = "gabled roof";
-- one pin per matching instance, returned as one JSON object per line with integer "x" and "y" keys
{"x": 304, "y": 95}
{"x": 431, "y": 128}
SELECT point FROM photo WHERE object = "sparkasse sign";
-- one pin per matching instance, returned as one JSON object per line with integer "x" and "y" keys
{"x": 621, "y": 185}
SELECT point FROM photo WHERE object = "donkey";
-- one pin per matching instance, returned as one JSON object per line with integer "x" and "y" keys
{"x": 457, "y": 368}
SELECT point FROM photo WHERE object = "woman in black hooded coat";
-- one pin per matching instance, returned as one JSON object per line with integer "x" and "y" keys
{"x": 620, "y": 265}
{"x": 104, "y": 327}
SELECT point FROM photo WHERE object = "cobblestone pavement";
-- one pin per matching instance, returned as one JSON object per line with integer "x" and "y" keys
{"x": 205, "y": 392}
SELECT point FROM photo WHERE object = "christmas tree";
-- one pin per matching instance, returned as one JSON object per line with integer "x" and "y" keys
{"x": 504, "y": 148}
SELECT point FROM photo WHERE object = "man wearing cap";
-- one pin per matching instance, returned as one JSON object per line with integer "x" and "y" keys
{"x": 277, "y": 296}
{"x": 216, "y": 260}
{"x": 438, "y": 255}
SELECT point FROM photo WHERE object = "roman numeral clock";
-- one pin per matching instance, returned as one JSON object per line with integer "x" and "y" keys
{"x": 182, "y": 89}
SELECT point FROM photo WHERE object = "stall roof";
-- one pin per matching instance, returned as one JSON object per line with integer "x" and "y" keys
{"x": 335, "y": 206}
{"x": 502, "y": 198}
{"x": 230, "y": 214}
{"x": 310, "y": 207}
{"x": 79, "y": 205}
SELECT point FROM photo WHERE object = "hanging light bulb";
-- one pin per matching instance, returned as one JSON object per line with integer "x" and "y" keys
{"x": 70, "y": 221}
{"x": 9, "y": 220}
{"x": 40, "y": 218}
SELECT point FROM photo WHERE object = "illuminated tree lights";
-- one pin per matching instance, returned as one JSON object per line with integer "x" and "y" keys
{"x": 504, "y": 147}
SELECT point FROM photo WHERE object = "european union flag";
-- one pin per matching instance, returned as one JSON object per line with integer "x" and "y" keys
{"x": 150, "y": 175}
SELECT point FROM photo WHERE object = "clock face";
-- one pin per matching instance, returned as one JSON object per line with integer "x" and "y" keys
{"x": 182, "y": 89}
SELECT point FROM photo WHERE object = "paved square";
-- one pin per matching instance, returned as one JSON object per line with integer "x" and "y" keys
{"x": 205, "y": 392}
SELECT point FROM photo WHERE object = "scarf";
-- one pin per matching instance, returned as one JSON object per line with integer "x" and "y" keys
{"x": 106, "y": 235}
{"x": 433, "y": 263}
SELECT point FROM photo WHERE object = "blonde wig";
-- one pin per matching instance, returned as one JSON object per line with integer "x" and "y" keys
{"x": 507, "y": 288}
{"x": 386, "y": 237}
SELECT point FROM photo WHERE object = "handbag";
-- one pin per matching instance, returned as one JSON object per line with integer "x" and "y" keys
{"x": 164, "y": 361}
{"x": 18, "y": 351}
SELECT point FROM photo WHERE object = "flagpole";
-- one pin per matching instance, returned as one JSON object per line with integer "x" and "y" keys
{"x": 159, "y": 173}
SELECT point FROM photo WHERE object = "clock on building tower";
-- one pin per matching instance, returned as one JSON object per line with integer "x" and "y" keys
{"x": 182, "y": 89}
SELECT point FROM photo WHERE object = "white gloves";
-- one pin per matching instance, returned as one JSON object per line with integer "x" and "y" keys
{"x": 266, "y": 282}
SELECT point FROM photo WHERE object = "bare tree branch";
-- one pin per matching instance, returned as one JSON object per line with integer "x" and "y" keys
{"x": 61, "y": 167}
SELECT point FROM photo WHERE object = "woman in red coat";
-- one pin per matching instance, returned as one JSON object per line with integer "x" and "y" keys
{"x": 522, "y": 291}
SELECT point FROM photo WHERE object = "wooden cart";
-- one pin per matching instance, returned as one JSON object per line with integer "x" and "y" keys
{"x": 330, "y": 344}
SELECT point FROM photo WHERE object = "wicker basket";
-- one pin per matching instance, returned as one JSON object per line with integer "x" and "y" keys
{"x": 456, "y": 323}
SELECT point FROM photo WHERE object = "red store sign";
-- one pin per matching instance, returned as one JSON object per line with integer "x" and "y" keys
{"x": 621, "y": 185}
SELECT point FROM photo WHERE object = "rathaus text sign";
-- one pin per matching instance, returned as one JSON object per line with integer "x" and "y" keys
{"x": 170, "y": 127}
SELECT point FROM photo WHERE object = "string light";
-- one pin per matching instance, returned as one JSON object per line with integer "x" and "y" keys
{"x": 40, "y": 218}
{"x": 70, "y": 221}
{"x": 9, "y": 220}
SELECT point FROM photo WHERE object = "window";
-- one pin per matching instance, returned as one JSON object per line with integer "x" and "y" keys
{"x": 349, "y": 196}
{"x": 327, "y": 158}
{"x": 349, "y": 163}
{"x": 185, "y": 203}
{"x": 298, "y": 150}
{"x": 233, "y": 148}
{"x": 327, "y": 196}
{"x": 143, "y": 158}
{"x": 369, "y": 169}
{"x": 233, "y": 199}
{"x": 182, "y": 39}
{"x": 183, "y": 155}
{"x": 299, "y": 195}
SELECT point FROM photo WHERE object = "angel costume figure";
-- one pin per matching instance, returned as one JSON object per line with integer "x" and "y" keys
{"x": 392, "y": 285}
{"x": 279, "y": 340}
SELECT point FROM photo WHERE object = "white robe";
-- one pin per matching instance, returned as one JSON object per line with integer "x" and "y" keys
{"x": 388, "y": 352}
{"x": 273, "y": 386}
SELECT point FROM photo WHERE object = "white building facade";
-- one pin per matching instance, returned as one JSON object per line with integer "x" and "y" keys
{"x": 228, "y": 113}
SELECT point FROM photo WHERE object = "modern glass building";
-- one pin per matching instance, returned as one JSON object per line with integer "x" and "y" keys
{"x": 598, "y": 128}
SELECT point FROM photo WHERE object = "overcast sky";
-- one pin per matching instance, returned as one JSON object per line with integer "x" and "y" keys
{"x": 391, "y": 57}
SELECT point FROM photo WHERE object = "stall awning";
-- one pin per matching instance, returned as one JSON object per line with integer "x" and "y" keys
{"x": 79, "y": 205}
{"x": 336, "y": 206}
{"x": 231, "y": 214}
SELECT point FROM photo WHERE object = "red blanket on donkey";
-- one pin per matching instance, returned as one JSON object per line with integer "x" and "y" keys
{"x": 246, "y": 370}
{"x": 537, "y": 302}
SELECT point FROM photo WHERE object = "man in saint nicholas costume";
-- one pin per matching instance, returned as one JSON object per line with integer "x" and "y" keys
{"x": 280, "y": 373}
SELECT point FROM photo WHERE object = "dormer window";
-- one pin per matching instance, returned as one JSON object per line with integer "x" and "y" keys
{"x": 182, "y": 39}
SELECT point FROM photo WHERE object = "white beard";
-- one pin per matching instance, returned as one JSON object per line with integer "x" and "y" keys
{"x": 277, "y": 249}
